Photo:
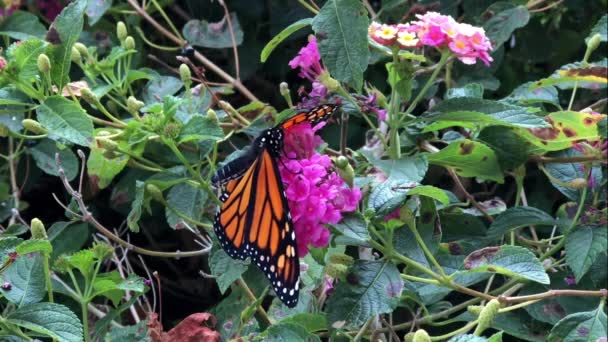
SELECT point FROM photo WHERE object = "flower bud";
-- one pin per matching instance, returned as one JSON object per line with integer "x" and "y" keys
{"x": 155, "y": 192}
{"x": 212, "y": 115}
{"x": 577, "y": 183}
{"x": 474, "y": 309}
{"x": 44, "y": 63}
{"x": 129, "y": 43}
{"x": 121, "y": 31}
{"x": 38, "y": 230}
{"x": 75, "y": 55}
{"x": 487, "y": 316}
{"x": 284, "y": 89}
{"x": 62, "y": 264}
{"x": 336, "y": 270}
{"x": 340, "y": 258}
{"x": 134, "y": 105}
{"x": 330, "y": 83}
{"x": 106, "y": 144}
{"x": 88, "y": 96}
{"x": 185, "y": 74}
{"x": 228, "y": 108}
{"x": 346, "y": 172}
{"x": 409, "y": 337}
{"x": 594, "y": 42}
{"x": 82, "y": 49}
{"x": 172, "y": 130}
{"x": 102, "y": 251}
{"x": 34, "y": 126}
{"x": 341, "y": 162}
{"x": 421, "y": 336}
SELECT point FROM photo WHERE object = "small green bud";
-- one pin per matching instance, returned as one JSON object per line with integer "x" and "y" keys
{"x": 38, "y": 230}
{"x": 284, "y": 89}
{"x": 102, "y": 251}
{"x": 62, "y": 264}
{"x": 474, "y": 309}
{"x": 185, "y": 74}
{"x": 88, "y": 96}
{"x": 421, "y": 336}
{"x": 487, "y": 315}
{"x": 155, "y": 192}
{"x": 594, "y": 42}
{"x": 121, "y": 31}
{"x": 330, "y": 83}
{"x": 129, "y": 43}
{"x": 103, "y": 133}
{"x": 346, "y": 172}
{"x": 409, "y": 337}
{"x": 172, "y": 130}
{"x": 577, "y": 183}
{"x": 341, "y": 162}
{"x": 229, "y": 109}
{"x": 212, "y": 115}
{"x": 34, "y": 126}
{"x": 336, "y": 270}
{"x": 3, "y": 131}
{"x": 106, "y": 144}
{"x": 44, "y": 63}
{"x": 75, "y": 55}
{"x": 134, "y": 105}
{"x": 340, "y": 258}
{"x": 82, "y": 49}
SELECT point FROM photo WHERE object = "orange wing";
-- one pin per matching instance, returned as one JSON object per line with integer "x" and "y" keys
{"x": 254, "y": 221}
{"x": 313, "y": 116}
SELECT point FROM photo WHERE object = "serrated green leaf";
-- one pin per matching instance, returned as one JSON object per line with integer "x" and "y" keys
{"x": 65, "y": 31}
{"x": 186, "y": 200}
{"x": 469, "y": 159}
{"x": 510, "y": 148}
{"x": 524, "y": 95}
{"x": 511, "y": 261}
{"x": 26, "y": 276}
{"x": 22, "y": 25}
{"x": 341, "y": 31}
{"x": 34, "y": 245}
{"x": 225, "y": 269}
{"x": 161, "y": 86}
{"x": 408, "y": 169}
{"x": 24, "y": 57}
{"x": 601, "y": 28}
{"x": 286, "y": 332}
{"x": 83, "y": 260}
{"x": 388, "y": 195}
{"x": 501, "y": 26}
{"x": 587, "y": 326}
{"x": 310, "y": 322}
{"x": 354, "y": 231}
{"x": 276, "y": 40}
{"x": 430, "y": 192}
{"x": 201, "y": 128}
{"x": 65, "y": 119}
{"x": 102, "y": 170}
{"x": 583, "y": 246}
{"x": 372, "y": 288}
{"x": 213, "y": 35}
{"x": 582, "y": 75}
{"x": 517, "y": 217}
{"x": 44, "y": 156}
{"x": 54, "y": 320}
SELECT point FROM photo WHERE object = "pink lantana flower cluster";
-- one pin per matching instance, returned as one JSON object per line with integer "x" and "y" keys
{"x": 316, "y": 194}
{"x": 468, "y": 43}
{"x": 308, "y": 61}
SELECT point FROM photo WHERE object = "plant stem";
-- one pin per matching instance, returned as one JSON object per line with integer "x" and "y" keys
{"x": 47, "y": 276}
{"x": 465, "y": 328}
{"x": 85, "y": 319}
{"x": 426, "y": 250}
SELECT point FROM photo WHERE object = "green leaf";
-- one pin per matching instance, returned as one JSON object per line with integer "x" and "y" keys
{"x": 406, "y": 169}
{"x": 587, "y": 326}
{"x": 310, "y": 322}
{"x": 525, "y": 96}
{"x": 44, "y": 156}
{"x": 276, "y": 40}
{"x": 137, "y": 206}
{"x": 497, "y": 337}
{"x": 96, "y": 9}
{"x": 103, "y": 324}
{"x": 590, "y": 75}
{"x": 510, "y": 148}
{"x": 518, "y": 217}
{"x": 286, "y": 332}
{"x": 130, "y": 333}
{"x": 471, "y": 90}
{"x": 54, "y": 320}
{"x": 341, "y": 31}
{"x": 371, "y": 288}
{"x": 15, "y": 229}
{"x": 67, "y": 237}
{"x": 161, "y": 86}
{"x": 354, "y": 231}
{"x": 21, "y": 26}
{"x": 467, "y": 110}
{"x": 601, "y": 127}
{"x": 469, "y": 159}
{"x": 225, "y": 269}
{"x": 468, "y": 338}
{"x": 400, "y": 78}
{"x": 213, "y": 35}
{"x": 511, "y": 261}
{"x": 107, "y": 285}
{"x": 63, "y": 33}
{"x": 102, "y": 170}
{"x": 548, "y": 310}
{"x": 24, "y": 57}
{"x": 186, "y": 200}
{"x": 583, "y": 246}
{"x": 34, "y": 245}
{"x": 201, "y": 128}
{"x": 388, "y": 195}
{"x": 26, "y": 276}
{"x": 431, "y": 192}
{"x": 566, "y": 172}
{"x": 84, "y": 261}
{"x": 600, "y": 27}
{"x": 65, "y": 119}
{"x": 502, "y": 25}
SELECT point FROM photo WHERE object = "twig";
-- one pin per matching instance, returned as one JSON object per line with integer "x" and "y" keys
{"x": 390, "y": 329}
{"x": 575, "y": 159}
{"x": 546, "y": 7}
{"x": 469, "y": 196}
{"x": 13, "y": 177}
{"x": 143, "y": 264}
{"x": 264, "y": 316}
{"x": 208, "y": 64}
{"x": 235, "y": 51}
{"x": 553, "y": 293}
{"x": 88, "y": 217}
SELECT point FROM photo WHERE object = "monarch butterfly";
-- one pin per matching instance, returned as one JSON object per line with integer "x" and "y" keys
{"x": 254, "y": 219}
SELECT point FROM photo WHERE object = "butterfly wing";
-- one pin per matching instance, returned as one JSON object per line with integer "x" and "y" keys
{"x": 254, "y": 221}
{"x": 322, "y": 112}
